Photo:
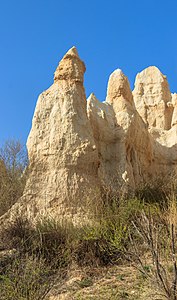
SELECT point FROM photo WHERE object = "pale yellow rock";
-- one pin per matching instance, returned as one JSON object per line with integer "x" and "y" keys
{"x": 78, "y": 148}
{"x": 135, "y": 150}
{"x": 70, "y": 67}
{"x": 156, "y": 105}
{"x": 120, "y": 97}
{"x": 62, "y": 152}
{"x": 107, "y": 135}
{"x": 118, "y": 86}
{"x": 152, "y": 98}
{"x": 174, "y": 117}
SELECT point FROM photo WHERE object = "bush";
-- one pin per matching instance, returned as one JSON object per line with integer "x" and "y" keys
{"x": 26, "y": 279}
{"x": 158, "y": 233}
{"x": 54, "y": 241}
{"x": 48, "y": 240}
{"x": 38, "y": 253}
{"x": 158, "y": 192}
{"x": 19, "y": 235}
{"x": 102, "y": 243}
{"x": 42, "y": 250}
{"x": 58, "y": 244}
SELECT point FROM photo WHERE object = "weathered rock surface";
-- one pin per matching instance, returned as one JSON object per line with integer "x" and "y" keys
{"x": 77, "y": 147}
{"x": 61, "y": 147}
{"x": 153, "y": 98}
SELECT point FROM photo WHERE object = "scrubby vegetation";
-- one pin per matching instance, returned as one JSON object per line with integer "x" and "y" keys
{"x": 143, "y": 234}
{"x": 13, "y": 162}
{"x": 141, "y": 230}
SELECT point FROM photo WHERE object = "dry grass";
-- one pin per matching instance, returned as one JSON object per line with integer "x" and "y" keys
{"x": 114, "y": 283}
{"x": 88, "y": 262}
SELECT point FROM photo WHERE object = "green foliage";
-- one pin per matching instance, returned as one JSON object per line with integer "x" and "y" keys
{"x": 48, "y": 247}
{"x": 103, "y": 242}
{"x": 25, "y": 278}
{"x": 48, "y": 240}
{"x": 54, "y": 241}
{"x": 18, "y": 235}
{"x": 85, "y": 282}
{"x": 39, "y": 253}
{"x": 158, "y": 192}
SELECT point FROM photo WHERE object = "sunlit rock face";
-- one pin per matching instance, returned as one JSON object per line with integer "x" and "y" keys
{"x": 62, "y": 151}
{"x": 153, "y": 99}
{"x": 79, "y": 148}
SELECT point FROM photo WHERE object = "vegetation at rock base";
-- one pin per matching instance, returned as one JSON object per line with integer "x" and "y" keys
{"x": 13, "y": 161}
{"x": 138, "y": 232}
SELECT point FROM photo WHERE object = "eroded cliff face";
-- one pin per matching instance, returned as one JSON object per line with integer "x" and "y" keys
{"x": 77, "y": 147}
{"x": 62, "y": 151}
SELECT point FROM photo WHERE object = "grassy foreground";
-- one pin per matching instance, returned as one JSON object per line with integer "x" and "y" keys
{"x": 128, "y": 253}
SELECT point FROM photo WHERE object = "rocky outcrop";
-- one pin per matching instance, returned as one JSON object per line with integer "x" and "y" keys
{"x": 157, "y": 107}
{"x": 123, "y": 143}
{"x": 62, "y": 151}
{"x": 77, "y": 147}
{"x": 153, "y": 99}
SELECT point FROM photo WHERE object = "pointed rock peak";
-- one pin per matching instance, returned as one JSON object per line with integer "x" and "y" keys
{"x": 118, "y": 76}
{"x": 70, "y": 68}
{"x": 117, "y": 72}
{"x": 92, "y": 97}
{"x": 72, "y": 51}
{"x": 92, "y": 101}
{"x": 118, "y": 85}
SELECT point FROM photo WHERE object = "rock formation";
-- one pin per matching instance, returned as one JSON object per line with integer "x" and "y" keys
{"x": 77, "y": 147}
{"x": 153, "y": 99}
{"x": 62, "y": 151}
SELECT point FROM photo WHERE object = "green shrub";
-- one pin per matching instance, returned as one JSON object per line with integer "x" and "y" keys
{"x": 18, "y": 235}
{"x": 58, "y": 244}
{"x": 51, "y": 246}
{"x": 93, "y": 250}
{"x": 158, "y": 192}
{"x": 39, "y": 252}
{"x": 48, "y": 240}
{"x": 103, "y": 242}
{"x": 53, "y": 242}
{"x": 26, "y": 278}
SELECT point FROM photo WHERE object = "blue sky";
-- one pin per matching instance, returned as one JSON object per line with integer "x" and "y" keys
{"x": 35, "y": 34}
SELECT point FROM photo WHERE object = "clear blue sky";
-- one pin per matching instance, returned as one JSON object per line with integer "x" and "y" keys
{"x": 35, "y": 34}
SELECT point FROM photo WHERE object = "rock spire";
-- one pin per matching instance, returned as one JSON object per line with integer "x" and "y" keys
{"x": 79, "y": 148}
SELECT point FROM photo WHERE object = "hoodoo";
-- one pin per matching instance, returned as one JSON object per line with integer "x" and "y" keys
{"x": 78, "y": 148}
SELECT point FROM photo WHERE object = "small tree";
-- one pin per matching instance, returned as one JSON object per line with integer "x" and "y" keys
{"x": 159, "y": 236}
{"x": 13, "y": 162}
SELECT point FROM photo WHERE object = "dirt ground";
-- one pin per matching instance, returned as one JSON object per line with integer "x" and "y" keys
{"x": 111, "y": 283}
